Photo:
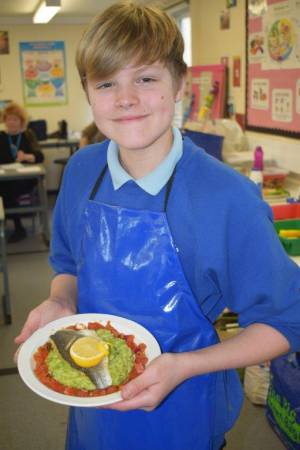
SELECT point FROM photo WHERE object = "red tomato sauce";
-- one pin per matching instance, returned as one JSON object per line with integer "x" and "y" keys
{"x": 42, "y": 373}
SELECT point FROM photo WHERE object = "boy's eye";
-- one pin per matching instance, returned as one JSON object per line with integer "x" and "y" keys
{"x": 105, "y": 85}
{"x": 145, "y": 80}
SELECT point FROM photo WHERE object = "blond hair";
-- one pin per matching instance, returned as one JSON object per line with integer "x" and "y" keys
{"x": 127, "y": 32}
{"x": 13, "y": 109}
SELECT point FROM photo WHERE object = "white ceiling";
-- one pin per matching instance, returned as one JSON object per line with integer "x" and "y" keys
{"x": 72, "y": 11}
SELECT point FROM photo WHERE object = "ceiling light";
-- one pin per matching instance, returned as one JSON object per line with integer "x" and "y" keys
{"x": 46, "y": 10}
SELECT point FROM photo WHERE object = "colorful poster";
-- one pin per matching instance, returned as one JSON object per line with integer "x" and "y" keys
{"x": 43, "y": 70}
{"x": 282, "y": 41}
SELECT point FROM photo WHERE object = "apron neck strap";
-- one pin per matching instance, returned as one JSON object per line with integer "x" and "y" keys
{"x": 98, "y": 182}
{"x": 168, "y": 190}
{"x": 102, "y": 174}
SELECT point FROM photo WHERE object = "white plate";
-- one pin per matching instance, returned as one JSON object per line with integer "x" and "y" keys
{"x": 26, "y": 362}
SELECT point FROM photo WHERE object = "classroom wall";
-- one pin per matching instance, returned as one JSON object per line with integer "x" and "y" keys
{"x": 210, "y": 43}
{"x": 76, "y": 112}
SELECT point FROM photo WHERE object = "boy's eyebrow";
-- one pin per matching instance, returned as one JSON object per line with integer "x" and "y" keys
{"x": 140, "y": 68}
{"x": 136, "y": 70}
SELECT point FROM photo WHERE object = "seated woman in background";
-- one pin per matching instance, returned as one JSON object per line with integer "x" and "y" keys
{"x": 91, "y": 135}
{"x": 17, "y": 144}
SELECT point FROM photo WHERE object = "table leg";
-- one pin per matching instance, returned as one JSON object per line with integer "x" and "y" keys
{"x": 6, "y": 296}
{"x": 44, "y": 213}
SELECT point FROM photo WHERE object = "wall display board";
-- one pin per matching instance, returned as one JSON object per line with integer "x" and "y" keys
{"x": 205, "y": 88}
{"x": 43, "y": 71}
{"x": 273, "y": 67}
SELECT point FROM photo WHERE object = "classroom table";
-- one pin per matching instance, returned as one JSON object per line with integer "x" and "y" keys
{"x": 71, "y": 144}
{"x": 3, "y": 268}
{"x": 18, "y": 171}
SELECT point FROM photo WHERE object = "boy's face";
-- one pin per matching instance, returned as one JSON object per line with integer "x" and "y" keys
{"x": 135, "y": 106}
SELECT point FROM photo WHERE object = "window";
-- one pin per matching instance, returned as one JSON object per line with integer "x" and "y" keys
{"x": 181, "y": 14}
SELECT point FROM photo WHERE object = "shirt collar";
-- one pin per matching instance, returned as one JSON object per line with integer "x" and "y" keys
{"x": 154, "y": 181}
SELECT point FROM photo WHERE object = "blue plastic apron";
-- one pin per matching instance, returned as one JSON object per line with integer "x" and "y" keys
{"x": 129, "y": 267}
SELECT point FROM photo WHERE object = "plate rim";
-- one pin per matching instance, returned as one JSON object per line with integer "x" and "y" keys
{"x": 27, "y": 349}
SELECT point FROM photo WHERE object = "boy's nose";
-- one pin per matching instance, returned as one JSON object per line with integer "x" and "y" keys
{"x": 126, "y": 98}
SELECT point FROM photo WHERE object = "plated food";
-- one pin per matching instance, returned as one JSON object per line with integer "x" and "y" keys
{"x": 89, "y": 360}
{"x": 83, "y": 360}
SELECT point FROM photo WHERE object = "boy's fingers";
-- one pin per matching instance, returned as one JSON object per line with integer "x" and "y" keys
{"x": 136, "y": 386}
{"x": 141, "y": 401}
{"x": 17, "y": 354}
{"x": 28, "y": 329}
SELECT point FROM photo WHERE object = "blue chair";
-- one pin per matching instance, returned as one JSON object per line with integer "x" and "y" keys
{"x": 39, "y": 127}
{"x": 211, "y": 143}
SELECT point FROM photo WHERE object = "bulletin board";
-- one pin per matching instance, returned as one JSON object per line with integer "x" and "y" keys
{"x": 273, "y": 66}
{"x": 200, "y": 81}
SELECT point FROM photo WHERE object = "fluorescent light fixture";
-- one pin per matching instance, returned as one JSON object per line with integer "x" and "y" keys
{"x": 46, "y": 10}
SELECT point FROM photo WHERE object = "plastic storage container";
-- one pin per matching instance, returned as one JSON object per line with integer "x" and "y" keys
{"x": 211, "y": 143}
{"x": 283, "y": 402}
{"x": 274, "y": 176}
{"x": 288, "y": 211}
{"x": 291, "y": 245}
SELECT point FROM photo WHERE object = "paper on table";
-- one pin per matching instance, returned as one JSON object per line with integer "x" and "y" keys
{"x": 11, "y": 166}
{"x": 29, "y": 169}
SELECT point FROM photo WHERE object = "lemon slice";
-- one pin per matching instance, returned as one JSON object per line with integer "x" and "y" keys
{"x": 88, "y": 351}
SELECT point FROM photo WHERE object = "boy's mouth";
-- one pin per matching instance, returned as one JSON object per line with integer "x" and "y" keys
{"x": 130, "y": 118}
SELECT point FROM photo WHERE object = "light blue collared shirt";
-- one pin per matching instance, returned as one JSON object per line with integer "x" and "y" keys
{"x": 154, "y": 181}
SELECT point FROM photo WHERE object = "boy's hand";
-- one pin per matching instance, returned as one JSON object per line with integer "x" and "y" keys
{"x": 50, "y": 309}
{"x": 149, "y": 389}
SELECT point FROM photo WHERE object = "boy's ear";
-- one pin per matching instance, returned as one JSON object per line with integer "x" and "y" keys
{"x": 180, "y": 89}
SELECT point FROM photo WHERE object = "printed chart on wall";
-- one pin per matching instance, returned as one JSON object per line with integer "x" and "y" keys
{"x": 43, "y": 72}
{"x": 273, "y": 66}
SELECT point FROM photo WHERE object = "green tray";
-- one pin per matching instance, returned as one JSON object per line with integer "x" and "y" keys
{"x": 292, "y": 246}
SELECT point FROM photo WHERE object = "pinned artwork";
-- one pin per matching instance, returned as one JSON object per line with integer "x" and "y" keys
{"x": 236, "y": 76}
{"x": 204, "y": 94}
{"x": 260, "y": 94}
{"x": 282, "y": 105}
{"x": 225, "y": 19}
{"x": 4, "y": 43}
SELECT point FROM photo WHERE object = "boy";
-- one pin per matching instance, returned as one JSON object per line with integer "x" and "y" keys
{"x": 149, "y": 227}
